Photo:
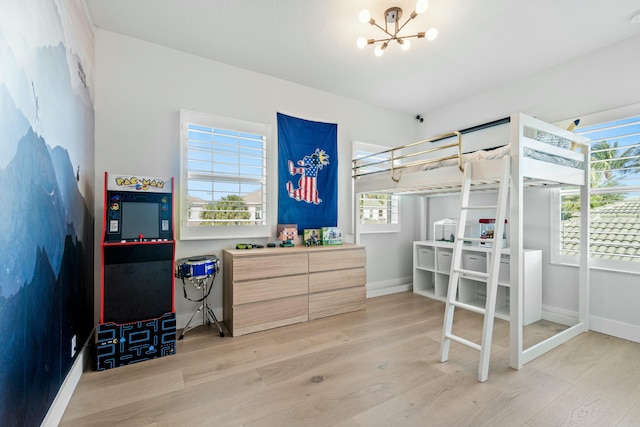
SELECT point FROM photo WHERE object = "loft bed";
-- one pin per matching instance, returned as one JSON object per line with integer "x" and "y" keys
{"x": 542, "y": 155}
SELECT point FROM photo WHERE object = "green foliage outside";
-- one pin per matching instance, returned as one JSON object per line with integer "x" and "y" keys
{"x": 229, "y": 210}
{"x": 607, "y": 168}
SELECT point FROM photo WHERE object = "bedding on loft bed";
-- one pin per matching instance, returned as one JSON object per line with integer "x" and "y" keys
{"x": 494, "y": 154}
{"x": 548, "y": 155}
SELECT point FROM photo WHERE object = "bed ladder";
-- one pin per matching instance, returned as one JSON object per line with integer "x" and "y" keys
{"x": 491, "y": 277}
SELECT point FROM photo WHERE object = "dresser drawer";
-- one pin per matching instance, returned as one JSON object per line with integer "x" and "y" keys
{"x": 268, "y": 289}
{"x": 260, "y": 267}
{"x": 339, "y": 279}
{"x": 324, "y": 304}
{"x": 323, "y": 260}
{"x": 259, "y": 316}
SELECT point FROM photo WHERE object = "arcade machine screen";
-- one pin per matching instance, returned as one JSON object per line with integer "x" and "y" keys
{"x": 140, "y": 218}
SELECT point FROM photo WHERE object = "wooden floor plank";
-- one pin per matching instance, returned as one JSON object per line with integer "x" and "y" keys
{"x": 586, "y": 405}
{"x": 576, "y": 358}
{"x": 373, "y": 377}
{"x": 461, "y": 400}
{"x": 378, "y": 366}
{"x": 127, "y": 391}
{"x": 631, "y": 418}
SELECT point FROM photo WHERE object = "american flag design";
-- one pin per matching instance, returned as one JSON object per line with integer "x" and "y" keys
{"x": 308, "y": 167}
{"x": 307, "y": 183}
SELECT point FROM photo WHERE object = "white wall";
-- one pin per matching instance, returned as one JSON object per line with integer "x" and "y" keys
{"x": 390, "y": 265}
{"x": 601, "y": 81}
{"x": 140, "y": 88}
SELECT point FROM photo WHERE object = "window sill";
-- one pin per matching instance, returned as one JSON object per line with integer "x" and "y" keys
{"x": 611, "y": 269}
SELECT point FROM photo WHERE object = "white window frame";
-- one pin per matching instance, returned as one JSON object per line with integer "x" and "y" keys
{"x": 235, "y": 232}
{"x": 556, "y": 198}
{"x": 391, "y": 227}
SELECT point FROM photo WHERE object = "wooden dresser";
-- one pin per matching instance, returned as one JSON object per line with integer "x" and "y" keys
{"x": 270, "y": 287}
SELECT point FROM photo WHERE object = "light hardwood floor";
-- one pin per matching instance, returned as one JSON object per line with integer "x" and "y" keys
{"x": 376, "y": 367}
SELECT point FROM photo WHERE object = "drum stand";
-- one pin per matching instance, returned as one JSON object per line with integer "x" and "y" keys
{"x": 207, "y": 313}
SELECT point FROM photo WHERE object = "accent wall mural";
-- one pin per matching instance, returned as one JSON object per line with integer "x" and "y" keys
{"x": 46, "y": 200}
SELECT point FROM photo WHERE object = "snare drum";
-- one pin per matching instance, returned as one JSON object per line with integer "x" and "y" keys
{"x": 197, "y": 267}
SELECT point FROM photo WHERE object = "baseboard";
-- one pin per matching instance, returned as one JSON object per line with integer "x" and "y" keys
{"x": 183, "y": 319}
{"x": 598, "y": 324}
{"x": 387, "y": 287}
{"x": 59, "y": 405}
{"x": 559, "y": 315}
{"x": 389, "y": 291}
{"x": 615, "y": 328}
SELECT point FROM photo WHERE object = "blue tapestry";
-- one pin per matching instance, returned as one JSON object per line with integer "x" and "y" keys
{"x": 307, "y": 173}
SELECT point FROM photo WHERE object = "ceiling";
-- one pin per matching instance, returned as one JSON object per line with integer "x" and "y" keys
{"x": 480, "y": 44}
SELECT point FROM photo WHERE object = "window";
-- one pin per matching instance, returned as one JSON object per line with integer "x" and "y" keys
{"x": 223, "y": 177}
{"x": 615, "y": 199}
{"x": 378, "y": 212}
{"x": 378, "y": 208}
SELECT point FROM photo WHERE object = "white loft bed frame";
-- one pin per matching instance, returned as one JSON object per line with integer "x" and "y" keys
{"x": 396, "y": 176}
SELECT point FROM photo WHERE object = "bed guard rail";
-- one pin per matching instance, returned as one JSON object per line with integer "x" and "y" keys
{"x": 387, "y": 160}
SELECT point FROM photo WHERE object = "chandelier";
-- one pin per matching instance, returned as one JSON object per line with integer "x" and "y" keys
{"x": 392, "y": 27}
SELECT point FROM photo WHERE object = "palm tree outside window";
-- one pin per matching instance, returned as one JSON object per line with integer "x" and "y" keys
{"x": 615, "y": 195}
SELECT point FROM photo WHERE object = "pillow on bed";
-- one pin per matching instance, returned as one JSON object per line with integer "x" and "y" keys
{"x": 554, "y": 140}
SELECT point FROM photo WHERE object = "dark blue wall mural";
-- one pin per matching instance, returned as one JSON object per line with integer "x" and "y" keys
{"x": 46, "y": 201}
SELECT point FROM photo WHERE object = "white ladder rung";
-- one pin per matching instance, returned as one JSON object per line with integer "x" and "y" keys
{"x": 469, "y": 307}
{"x": 472, "y": 273}
{"x": 463, "y": 341}
{"x": 479, "y": 207}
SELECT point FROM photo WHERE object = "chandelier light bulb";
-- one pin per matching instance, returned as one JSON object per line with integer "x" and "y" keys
{"x": 393, "y": 27}
{"x": 364, "y": 16}
{"x": 422, "y": 6}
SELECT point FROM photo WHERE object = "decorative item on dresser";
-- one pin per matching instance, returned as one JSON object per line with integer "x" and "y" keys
{"x": 280, "y": 286}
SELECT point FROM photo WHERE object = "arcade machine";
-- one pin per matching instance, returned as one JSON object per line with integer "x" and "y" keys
{"x": 137, "y": 313}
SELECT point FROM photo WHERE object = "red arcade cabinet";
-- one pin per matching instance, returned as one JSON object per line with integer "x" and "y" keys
{"x": 137, "y": 313}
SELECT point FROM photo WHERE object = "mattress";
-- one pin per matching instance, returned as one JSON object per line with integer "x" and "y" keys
{"x": 493, "y": 154}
